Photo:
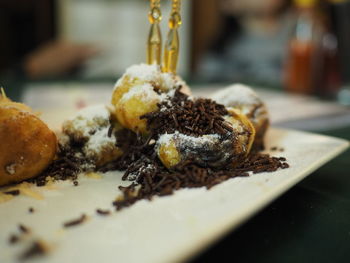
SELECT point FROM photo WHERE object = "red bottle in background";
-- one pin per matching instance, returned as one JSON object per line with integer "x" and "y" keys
{"x": 312, "y": 66}
{"x": 304, "y": 58}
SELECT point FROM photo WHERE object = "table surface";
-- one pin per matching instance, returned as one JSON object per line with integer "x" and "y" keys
{"x": 311, "y": 222}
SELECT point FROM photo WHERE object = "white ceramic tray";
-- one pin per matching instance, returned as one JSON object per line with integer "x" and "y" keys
{"x": 167, "y": 229}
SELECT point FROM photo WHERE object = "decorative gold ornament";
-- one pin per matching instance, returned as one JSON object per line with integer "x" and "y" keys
{"x": 172, "y": 44}
{"x": 154, "y": 43}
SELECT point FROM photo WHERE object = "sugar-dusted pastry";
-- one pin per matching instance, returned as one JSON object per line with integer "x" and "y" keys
{"x": 199, "y": 131}
{"x": 244, "y": 99}
{"x": 139, "y": 91}
{"x": 210, "y": 150}
{"x": 27, "y": 145}
{"x": 243, "y": 130}
{"x": 94, "y": 132}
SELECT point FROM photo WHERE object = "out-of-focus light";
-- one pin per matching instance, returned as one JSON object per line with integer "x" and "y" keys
{"x": 344, "y": 96}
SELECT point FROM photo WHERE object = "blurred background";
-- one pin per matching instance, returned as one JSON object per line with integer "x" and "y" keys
{"x": 61, "y": 55}
{"x": 283, "y": 46}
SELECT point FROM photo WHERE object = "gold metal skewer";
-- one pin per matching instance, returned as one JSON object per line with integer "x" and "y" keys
{"x": 2, "y": 93}
{"x": 172, "y": 44}
{"x": 154, "y": 43}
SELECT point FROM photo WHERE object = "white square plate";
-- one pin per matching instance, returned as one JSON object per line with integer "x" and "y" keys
{"x": 167, "y": 229}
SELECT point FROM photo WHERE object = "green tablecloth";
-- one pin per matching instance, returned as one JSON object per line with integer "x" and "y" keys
{"x": 310, "y": 223}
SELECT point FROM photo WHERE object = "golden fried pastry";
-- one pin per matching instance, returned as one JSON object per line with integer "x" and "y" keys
{"x": 27, "y": 146}
{"x": 139, "y": 100}
{"x": 244, "y": 99}
{"x": 211, "y": 150}
{"x": 244, "y": 131}
{"x": 93, "y": 129}
{"x": 139, "y": 91}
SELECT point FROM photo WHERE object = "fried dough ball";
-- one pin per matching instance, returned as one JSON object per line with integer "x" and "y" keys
{"x": 243, "y": 98}
{"x": 139, "y": 100}
{"x": 27, "y": 145}
{"x": 168, "y": 152}
{"x": 244, "y": 130}
{"x": 93, "y": 129}
{"x": 139, "y": 91}
{"x": 210, "y": 150}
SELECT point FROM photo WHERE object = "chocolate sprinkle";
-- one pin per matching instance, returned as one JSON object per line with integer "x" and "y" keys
{"x": 275, "y": 148}
{"x": 37, "y": 248}
{"x": 190, "y": 117}
{"x": 23, "y": 229}
{"x": 67, "y": 166}
{"x": 140, "y": 162}
{"x": 160, "y": 181}
{"x": 13, "y": 192}
{"x": 148, "y": 175}
{"x": 110, "y": 131}
{"x": 75, "y": 221}
{"x": 13, "y": 239}
{"x": 103, "y": 212}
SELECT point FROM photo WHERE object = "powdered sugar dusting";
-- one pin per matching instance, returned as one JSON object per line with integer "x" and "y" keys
{"x": 188, "y": 141}
{"x": 236, "y": 95}
{"x": 91, "y": 125}
{"x": 151, "y": 74}
{"x": 99, "y": 142}
{"x": 87, "y": 119}
{"x": 242, "y": 97}
{"x": 143, "y": 169}
{"x": 144, "y": 92}
{"x": 143, "y": 72}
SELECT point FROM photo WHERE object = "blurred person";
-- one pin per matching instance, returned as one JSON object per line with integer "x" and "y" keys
{"x": 28, "y": 46}
{"x": 56, "y": 58}
{"x": 252, "y": 44}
